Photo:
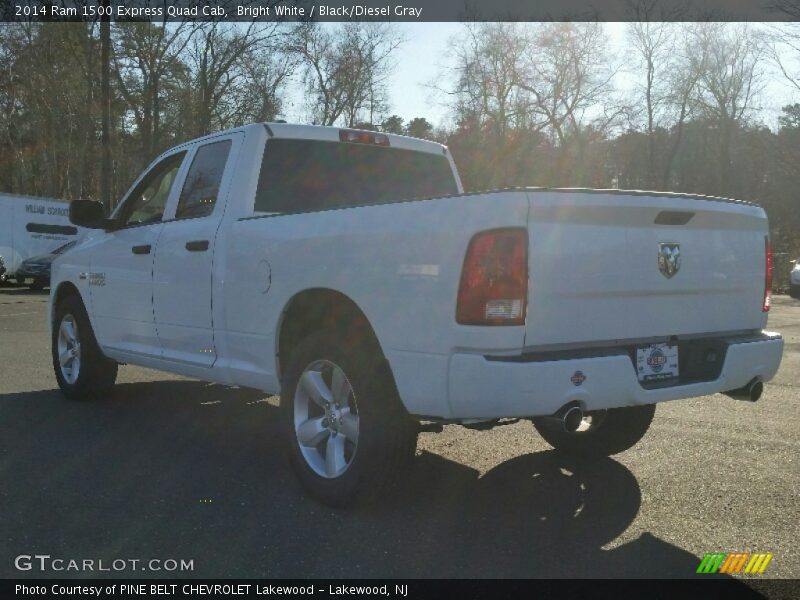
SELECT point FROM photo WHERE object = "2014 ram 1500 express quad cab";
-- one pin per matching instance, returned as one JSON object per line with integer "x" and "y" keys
{"x": 347, "y": 271}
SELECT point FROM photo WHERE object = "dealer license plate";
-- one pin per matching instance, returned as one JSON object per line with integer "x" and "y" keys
{"x": 657, "y": 361}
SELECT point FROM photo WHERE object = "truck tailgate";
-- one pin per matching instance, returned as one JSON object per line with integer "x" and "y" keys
{"x": 595, "y": 274}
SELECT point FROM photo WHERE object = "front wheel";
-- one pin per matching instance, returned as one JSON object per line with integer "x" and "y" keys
{"x": 601, "y": 432}
{"x": 81, "y": 369}
{"x": 348, "y": 434}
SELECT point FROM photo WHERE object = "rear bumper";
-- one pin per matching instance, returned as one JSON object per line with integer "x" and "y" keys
{"x": 495, "y": 387}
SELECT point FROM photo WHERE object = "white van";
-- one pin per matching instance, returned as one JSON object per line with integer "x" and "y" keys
{"x": 30, "y": 226}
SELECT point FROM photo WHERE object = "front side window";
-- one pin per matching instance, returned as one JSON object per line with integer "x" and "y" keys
{"x": 147, "y": 202}
{"x": 199, "y": 194}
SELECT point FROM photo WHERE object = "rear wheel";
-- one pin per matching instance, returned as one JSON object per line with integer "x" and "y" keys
{"x": 37, "y": 284}
{"x": 602, "y": 432}
{"x": 347, "y": 431}
{"x": 81, "y": 369}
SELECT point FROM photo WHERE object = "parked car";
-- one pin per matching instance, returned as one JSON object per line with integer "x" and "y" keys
{"x": 37, "y": 268}
{"x": 794, "y": 280}
{"x": 348, "y": 272}
{"x": 3, "y": 271}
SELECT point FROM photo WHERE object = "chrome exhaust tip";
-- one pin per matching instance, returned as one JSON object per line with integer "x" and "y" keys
{"x": 567, "y": 419}
{"x": 749, "y": 393}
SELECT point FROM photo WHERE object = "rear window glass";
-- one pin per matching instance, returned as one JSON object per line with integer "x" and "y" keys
{"x": 300, "y": 175}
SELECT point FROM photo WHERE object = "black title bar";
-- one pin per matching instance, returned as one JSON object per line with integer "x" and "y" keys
{"x": 702, "y": 587}
{"x": 400, "y": 10}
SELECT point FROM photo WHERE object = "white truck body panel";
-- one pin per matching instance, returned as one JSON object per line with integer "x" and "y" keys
{"x": 30, "y": 226}
{"x": 594, "y": 281}
{"x": 594, "y": 275}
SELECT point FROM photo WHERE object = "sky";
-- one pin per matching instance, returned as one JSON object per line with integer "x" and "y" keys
{"x": 423, "y": 57}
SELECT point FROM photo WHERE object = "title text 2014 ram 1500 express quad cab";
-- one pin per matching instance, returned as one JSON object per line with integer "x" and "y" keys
{"x": 347, "y": 271}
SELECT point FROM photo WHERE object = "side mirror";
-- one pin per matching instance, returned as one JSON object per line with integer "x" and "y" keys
{"x": 87, "y": 213}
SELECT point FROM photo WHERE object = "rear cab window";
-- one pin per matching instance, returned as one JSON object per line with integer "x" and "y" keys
{"x": 308, "y": 175}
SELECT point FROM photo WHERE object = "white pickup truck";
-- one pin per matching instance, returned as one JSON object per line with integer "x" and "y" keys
{"x": 347, "y": 271}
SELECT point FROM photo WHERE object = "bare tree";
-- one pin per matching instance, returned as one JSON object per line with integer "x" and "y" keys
{"x": 488, "y": 63}
{"x": 147, "y": 61}
{"x": 345, "y": 70}
{"x": 728, "y": 84}
{"x": 567, "y": 73}
{"x": 782, "y": 45}
{"x": 234, "y": 72}
{"x": 685, "y": 69}
{"x": 654, "y": 44}
{"x": 569, "y": 79}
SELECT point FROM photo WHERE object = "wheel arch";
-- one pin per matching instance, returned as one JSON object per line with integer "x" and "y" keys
{"x": 321, "y": 308}
{"x": 62, "y": 291}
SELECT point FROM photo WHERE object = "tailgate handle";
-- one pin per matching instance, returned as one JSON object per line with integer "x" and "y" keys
{"x": 197, "y": 246}
{"x": 144, "y": 249}
{"x": 673, "y": 217}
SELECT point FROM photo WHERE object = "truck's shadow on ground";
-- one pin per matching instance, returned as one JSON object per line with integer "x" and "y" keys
{"x": 186, "y": 470}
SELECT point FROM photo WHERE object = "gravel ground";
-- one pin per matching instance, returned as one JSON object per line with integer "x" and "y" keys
{"x": 174, "y": 468}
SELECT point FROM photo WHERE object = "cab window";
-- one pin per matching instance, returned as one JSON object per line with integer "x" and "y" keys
{"x": 199, "y": 194}
{"x": 147, "y": 201}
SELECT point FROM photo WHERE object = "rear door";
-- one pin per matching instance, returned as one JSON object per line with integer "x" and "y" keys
{"x": 614, "y": 266}
{"x": 182, "y": 292}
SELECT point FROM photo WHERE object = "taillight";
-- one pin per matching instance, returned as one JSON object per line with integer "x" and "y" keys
{"x": 494, "y": 280}
{"x": 767, "y": 275}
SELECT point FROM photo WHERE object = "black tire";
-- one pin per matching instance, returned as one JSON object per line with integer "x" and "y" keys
{"x": 614, "y": 431}
{"x": 19, "y": 279}
{"x": 37, "y": 285}
{"x": 387, "y": 436}
{"x": 96, "y": 373}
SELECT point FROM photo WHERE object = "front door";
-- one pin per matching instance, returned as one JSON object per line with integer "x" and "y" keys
{"x": 121, "y": 269}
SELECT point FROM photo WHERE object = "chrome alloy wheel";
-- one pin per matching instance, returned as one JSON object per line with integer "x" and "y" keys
{"x": 326, "y": 419}
{"x": 69, "y": 349}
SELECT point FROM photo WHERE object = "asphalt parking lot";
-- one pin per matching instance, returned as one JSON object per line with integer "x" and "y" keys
{"x": 173, "y": 468}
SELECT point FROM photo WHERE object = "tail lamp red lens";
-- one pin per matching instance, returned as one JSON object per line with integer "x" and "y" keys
{"x": 494, "y": 280}
{"x": 768, "y": 275}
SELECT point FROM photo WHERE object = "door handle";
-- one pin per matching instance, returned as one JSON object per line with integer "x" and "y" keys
{"x": 144, "y": 249}
{"x": 197, "y": 246}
